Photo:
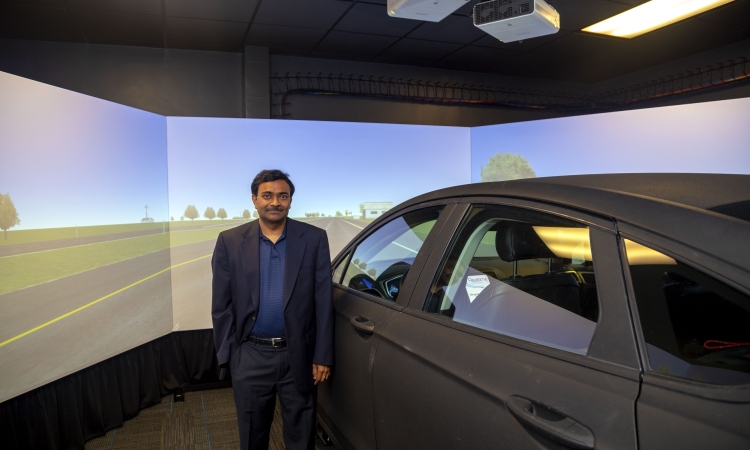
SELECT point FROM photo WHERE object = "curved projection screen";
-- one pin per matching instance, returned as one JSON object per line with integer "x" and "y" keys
{"x": 703, "y": 137}
{"x": 109, "y": 215}
{"x": 78, "y": 172}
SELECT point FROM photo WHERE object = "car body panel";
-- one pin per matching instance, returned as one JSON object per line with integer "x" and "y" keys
{"x": 438, "y": 383}
{"x": 452, "y": 386}
{"x": 350, "y": 386}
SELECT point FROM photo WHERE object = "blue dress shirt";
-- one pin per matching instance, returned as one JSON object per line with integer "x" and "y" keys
{"x": 270, "y": 323}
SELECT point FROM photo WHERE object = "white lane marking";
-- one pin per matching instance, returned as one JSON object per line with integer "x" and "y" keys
{"x": 413, "y": 251}
{"x": 396, "y": 243}
{"x": 346, "y": 221}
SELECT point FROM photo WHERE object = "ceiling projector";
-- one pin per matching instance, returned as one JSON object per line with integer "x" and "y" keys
{"x": 429, "y": 10}
{"x": 515, "y": 20}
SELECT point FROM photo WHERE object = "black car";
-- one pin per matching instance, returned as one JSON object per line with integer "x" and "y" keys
{"x": 597, "y": 311}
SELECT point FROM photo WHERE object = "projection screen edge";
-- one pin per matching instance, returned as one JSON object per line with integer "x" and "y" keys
{"x": 81, "y": 308}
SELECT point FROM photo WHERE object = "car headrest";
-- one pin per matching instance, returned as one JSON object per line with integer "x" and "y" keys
{"x": 518, "y": 240}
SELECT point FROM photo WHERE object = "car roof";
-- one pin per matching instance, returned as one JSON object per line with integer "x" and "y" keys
{"x": 708, "y": 212}
{"x": 698, "y": 190}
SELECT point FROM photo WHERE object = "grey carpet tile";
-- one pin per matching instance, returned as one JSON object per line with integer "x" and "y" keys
{"x": 206, "y": 420}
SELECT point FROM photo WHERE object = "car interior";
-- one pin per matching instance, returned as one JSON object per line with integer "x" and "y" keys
{"x": 695, "y": 318}
{"x": 512, "y": 252}
{"x": 527, "y": 277}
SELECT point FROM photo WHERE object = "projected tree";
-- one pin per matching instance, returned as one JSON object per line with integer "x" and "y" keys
{"x": 255, "y": 213}
{"x": 221, "y": 214}
{"x": 191, "y": 212}
{"x": 338, "y": 214}
{"x": 246, "y": 214}
{"x": 209, "y": 213}
{"x": 8, "y": 214}
{"x": 506, "y": 166}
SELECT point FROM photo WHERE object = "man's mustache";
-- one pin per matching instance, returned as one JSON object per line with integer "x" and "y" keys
{"x": 275, "y": 208}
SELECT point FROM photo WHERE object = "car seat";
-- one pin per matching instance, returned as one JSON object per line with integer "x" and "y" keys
{"x": 517, "y": 241}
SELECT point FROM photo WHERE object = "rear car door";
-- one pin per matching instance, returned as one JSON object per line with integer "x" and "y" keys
{"x": 693, "y": 322}
{"x": 372, "y": 281}
{"x": 517, "y": 335}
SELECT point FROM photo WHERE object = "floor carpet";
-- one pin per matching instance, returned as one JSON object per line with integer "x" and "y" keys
{"x": 205, "y": 420}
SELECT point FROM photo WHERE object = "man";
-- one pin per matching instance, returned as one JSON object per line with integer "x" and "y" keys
{"x": 273, "y": 315}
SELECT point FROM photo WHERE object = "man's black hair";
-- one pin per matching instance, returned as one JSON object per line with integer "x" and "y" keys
{"x": 264, "y": 176}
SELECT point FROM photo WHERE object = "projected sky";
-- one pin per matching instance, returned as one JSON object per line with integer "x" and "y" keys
{"x": 101, "y": 165}
{"x": 705, "y": 137}
{"x": 334, "y": 166}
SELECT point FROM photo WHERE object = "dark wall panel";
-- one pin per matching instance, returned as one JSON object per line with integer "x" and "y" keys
{"x": 210, "y": 84}
{"x": 164, "y": 81}
{"x": 354, "y": 109}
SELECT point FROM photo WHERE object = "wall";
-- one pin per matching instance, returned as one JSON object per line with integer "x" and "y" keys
{"x": 167, "y": 82}
{"x": 210, "y": 84}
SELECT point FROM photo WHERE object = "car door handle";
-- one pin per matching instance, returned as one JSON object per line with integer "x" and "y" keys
{"x": 550, "y": 423}
{"x": 362, "y": 324}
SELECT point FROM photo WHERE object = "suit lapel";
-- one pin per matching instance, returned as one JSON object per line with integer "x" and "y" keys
{"x": 249, "y": 251}
{"x": 295, "y": 250}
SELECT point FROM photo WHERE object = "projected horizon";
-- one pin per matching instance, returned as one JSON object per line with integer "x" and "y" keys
{"x": 111, "y": 213}
{"x": 705, "y": 137}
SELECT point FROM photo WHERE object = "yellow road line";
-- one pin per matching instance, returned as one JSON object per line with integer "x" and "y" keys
{"x": 26, "y": 333}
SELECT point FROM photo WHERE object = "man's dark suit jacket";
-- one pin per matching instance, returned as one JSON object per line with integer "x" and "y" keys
{"x": 308, "y": 304}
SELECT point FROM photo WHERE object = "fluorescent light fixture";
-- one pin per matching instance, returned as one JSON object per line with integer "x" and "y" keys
{"x": 652, "y": 15}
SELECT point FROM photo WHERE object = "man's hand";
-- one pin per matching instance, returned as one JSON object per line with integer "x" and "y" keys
{"x": 321, "y": 373}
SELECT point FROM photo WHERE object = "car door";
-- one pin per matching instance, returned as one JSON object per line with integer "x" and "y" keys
{"x": 533, "y": 348}
{"x": 372, "y": 282}
{"x": 692, "y": 313}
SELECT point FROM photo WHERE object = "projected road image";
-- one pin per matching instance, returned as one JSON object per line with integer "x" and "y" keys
{"x": 84, "y": 251}
{"x": 345, "y": 175}
{"x": 191, "y": 283}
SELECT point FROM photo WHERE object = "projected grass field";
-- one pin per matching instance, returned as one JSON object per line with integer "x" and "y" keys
{"x": 35, "y": 267}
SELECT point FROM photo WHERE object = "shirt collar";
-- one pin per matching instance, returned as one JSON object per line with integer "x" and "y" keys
{"x": 283, "y": 235}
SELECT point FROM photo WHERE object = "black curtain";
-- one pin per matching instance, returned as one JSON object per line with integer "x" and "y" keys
{"x": 66, "y": 413}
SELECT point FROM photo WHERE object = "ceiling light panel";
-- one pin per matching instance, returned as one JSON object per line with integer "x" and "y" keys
{"x": 651, "y": 16}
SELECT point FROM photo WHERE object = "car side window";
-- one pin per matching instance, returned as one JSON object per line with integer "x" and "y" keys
{"x": 695, "y": 326}
{"x": 520, "y": 273}
{"x": 338, "y": 271}
{"x": 381, "y": 262}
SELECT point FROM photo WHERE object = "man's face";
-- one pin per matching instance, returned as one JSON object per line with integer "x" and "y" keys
{"x": 273, "y": 201}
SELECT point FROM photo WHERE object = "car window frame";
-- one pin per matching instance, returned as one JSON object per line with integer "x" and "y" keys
{"x": 406, "y": 290}
{"x": 698, "y": 260}
{"x": 609, "y": 277}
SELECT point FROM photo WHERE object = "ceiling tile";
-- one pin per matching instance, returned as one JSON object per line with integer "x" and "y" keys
{"x": 112, "y": 26}
{"x": 52, "y": 3}
{"x": 415, "y": 51}
{"x": 35, "y": 22}
{"x": 233, "y": 10}
{"x": 519, "y": 46}
{"x": 460, "y": 30}
{"x": 205, "y": 32}
{"x": 128, "y": 6}
{"x": 473, "y": 57}
{"x": 284, "y": 39}
{"x": 578, "y": 14}
{"x": 206, "y": 47}
{"x": 347, "y": 57}
{"x": 374, "y": 19}
{"x": 467, "y": 9}
{"x": 159, "y": 44}
{"x": 575, "y": 57}
{"x": 301, "y": 13}
{"x": 736, "y": 13}
{"x": 682, "y": 39}
{"x": 355, "y": 44}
